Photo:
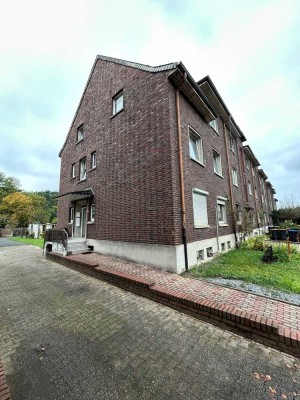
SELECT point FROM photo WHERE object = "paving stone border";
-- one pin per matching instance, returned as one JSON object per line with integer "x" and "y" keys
{"x": 4, "y": 391}
{"x": 257, "y": 327}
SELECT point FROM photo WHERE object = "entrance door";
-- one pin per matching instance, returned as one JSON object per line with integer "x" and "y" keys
{"x": 83, "y": 222}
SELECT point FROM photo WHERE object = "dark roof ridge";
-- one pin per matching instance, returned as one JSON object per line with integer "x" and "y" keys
{"x": 143, "y": 67}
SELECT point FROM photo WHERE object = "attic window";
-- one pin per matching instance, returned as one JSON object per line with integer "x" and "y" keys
{"x": 214, "y": 124}
{"x": 80, "y": 133}
{"x": 118, "y": 103}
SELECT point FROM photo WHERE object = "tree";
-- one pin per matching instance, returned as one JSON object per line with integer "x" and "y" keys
{"x": 41, "y": 211}
{"x": 50, "y": 205}
{"x": 289, "y": 210}
{"x": 8, "y": 185}
{"x": 17, "y": 209}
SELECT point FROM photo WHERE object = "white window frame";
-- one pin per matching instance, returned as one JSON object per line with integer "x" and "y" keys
{"x": 234, "y": 175}
{"x": 80, "y": 133}
{"x": 238, "y": 210}
{"x": 221, "y": 205}
{"x": 73, "y": 170}
{"x": 214, "y": 125}
{"x": 118, "y": 102}
{"x": 232, "y": 143}
{"x": 71, "y": 215}
{"x": 217, "y": 156}
{"x": 247, "y": 162}
{"x": 194, "y": 136}
{"x": 93, "y": 160}
{"x": 198, "y": 221}
{"x": 250, "y": 188}
{"x": 93, "y": 213}
{"x": 82, "y": 169}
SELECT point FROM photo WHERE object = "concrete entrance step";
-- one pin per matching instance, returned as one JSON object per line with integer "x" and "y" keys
{"x": 79, "y": 251}
{"x": 77, "y": 246}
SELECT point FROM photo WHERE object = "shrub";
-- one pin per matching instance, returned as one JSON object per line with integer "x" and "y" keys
{"x": 31, "y": 235}
{"x": 280, "y": 250}
{"x": 288, "y": 224}
{"x": 255, "y": 243}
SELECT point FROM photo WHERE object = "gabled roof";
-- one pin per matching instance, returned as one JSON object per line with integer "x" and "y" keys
{"x": 249, "y": 153}
{"x": 262, "y": 174}
{"x": 210, "y": 91}
{"x": 143, "y": 67}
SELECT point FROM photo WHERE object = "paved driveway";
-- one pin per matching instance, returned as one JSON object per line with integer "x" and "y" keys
{"x": 8, "y": 243}
{"x": 64, "y": 335}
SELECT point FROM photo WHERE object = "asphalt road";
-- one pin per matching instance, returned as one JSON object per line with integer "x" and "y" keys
{"x": 9, "y": 243}
{"x": 64, "y": 335}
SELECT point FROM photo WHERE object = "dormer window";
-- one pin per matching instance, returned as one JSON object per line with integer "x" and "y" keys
{"x": 214, "y": 124}
{"x": 80, "y": 133}
{"x": 118, "y": 103}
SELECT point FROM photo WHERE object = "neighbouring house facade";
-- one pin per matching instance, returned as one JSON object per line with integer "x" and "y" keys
{"x": 154, "y": 168}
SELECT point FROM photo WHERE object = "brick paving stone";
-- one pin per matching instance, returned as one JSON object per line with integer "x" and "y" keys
{"x": 284, "y": 313}
{"x": 65, "y": 335}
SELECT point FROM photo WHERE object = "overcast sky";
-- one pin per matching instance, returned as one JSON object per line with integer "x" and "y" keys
{"x": 250, "y": 49}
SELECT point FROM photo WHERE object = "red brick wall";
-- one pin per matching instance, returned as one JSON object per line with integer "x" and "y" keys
{"x": 133, "y": 181}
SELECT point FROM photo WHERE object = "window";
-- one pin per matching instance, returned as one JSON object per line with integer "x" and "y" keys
{"x": 247, "y": 162}
{"x": 249, "y": 188}
{"x": 228, "y": 245}
{"x": 93, "y": 212}
{"x": 214, "y": 124}
{"x": 234, "y": 176}
{"x": 200, "y": 208}
{"x": 118, "y": 103}
{"x": 209, "y": 252}
{"x": 223, "y": 248}
{"x": 217, "y": 163}
{"x": 253, "y": 171}
{"x": 80, "y": 133}
{"x": 255, "y": 191}
{"x": 221, "y": 210}
{"x": 73, "y": 170}
{"x": 200, "y": 256}
{"x": 93, "y": 160}
{"x": 232, "y": 143}
{"x": 196, "y": 146}
{"x": 238, "y": 210}
{"x": 71, "y": 215}
{"x": 83, "y": 169}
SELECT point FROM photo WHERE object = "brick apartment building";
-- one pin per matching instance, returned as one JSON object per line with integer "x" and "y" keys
{"x": 154, "y": 168}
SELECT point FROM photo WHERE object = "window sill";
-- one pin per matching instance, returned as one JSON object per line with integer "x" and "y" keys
{"x": 221, "y": 176}
{"x": 92, "y": 169}
{"x": 71, "y": 179}
{"x": 81, "y": 180}
{"x": 214, "y": 130}
{"x": 198, "y": 162}
{"x": 79, "y": 141}
{"x": 70, "y": 223}
{"x": 223, "y": 224}
{"x": 235, "y": 185}
{"x": 201, "y": 226}
{"x": 90, "y": 222}
{"x": 234, "y": 152}
{"x": 117, "y": 113}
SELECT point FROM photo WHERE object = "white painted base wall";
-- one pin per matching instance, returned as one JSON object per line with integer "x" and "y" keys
{"x": 167, "y": 258}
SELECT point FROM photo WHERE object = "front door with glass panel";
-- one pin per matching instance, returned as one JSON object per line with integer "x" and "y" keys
{"x": 83, "y": 222}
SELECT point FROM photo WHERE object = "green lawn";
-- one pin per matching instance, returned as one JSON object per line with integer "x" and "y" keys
{"x": 247, "y": 266}
{"x": 35, "y": 242}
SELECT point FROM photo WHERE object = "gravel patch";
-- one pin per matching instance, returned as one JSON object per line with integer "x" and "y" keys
{"x": 257, "y": 289}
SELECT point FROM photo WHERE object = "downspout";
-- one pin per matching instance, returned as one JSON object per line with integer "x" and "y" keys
{"x": 230, "y": 181}
{"x": 183, "y": 211}
{"x": 255, "y": 202}
{"x": 217, "y": 226}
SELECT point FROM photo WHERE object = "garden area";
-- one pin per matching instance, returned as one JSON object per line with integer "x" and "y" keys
{"x": 246, "y": 264}
{"x": 32, "y": 241}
